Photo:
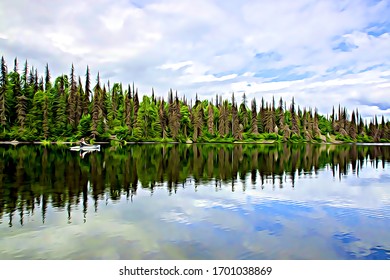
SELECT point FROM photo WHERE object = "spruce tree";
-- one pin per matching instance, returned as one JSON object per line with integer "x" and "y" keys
{"x": 72, "y": 101}
{"x": 163, "y": 118}
{"x": 243, "y": 115}
{"x": 14, "y": 91}
{"x": 128, "y": 107}
{"x": 254, "y": 128}
{"x": 87, "y": 93}
{"x": 197, "y": 122}
{"x": 210, "y": 118}
{"x": 294, "y": 119}
{"x": 79, "y": 101}
{"x": 47, "y": 78}
{"x": 95, "y": 108}
{"x": 186, "y": 119}
{"x": 237, "y": 127}
{"x": 45, "y": 120}
{"x": 135, "y": 106}
{"x": 3, "y": 93}
{"x": 352, "y": 126}
{"x": 173, "y": 115}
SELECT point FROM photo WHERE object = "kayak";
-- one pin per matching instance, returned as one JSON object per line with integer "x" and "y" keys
{"x": 86, "y": 148}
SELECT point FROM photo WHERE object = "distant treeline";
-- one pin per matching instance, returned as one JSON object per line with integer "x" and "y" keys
{"x": 33, "y": 108}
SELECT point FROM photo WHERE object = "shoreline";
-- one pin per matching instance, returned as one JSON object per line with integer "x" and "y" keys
{"x": 15, "y": 143}
{"x": 42, "y": 143}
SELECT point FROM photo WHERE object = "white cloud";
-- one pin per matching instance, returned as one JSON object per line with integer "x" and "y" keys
{"x": 211, "y": 78}
{"x": 263, "y": 87}
{"x": 175, "y": 66}
{"x": 115, "y": 16}
{"x": 66, "y": 44}
{"x": 321, "y": 52}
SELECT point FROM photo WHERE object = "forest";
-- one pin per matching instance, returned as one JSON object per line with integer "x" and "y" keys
{"x": 34, "y": 107}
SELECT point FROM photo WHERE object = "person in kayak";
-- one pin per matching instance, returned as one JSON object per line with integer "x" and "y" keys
{"x": 82, "y": 143}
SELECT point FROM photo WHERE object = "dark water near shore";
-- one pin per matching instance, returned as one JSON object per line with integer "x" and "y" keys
{"x": 196, "y": 202}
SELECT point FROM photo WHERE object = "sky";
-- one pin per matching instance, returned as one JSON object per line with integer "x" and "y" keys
{"x": 322, "y": 53}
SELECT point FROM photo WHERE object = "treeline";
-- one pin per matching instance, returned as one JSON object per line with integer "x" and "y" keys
{"x": 33, "y": 107}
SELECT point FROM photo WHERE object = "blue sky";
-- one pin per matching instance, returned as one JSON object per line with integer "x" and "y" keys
{"x": 321, "y": 52}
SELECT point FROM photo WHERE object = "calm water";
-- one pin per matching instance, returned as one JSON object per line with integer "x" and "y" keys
{"x": 196, "y": 202}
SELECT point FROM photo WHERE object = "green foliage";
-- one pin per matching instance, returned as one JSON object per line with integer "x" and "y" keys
{"x": 343, "y": 138}
{"x": 60, "y": 121}
{"x": 121, "y": 132}
{"x": 270, "y": 136}
{"x": 148, "y": 123}
{"x": 364, "y": 139}
{"x": 325, "y": 125}
{"x": 84, "y": 126}
{"x": 33, "y": 108}
{"x": 28, "y": 134}
{"x": 295, "y": 138}
{"x": 185, "y": 121}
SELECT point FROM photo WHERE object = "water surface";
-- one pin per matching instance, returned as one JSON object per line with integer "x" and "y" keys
{"x": 196, "y": 202}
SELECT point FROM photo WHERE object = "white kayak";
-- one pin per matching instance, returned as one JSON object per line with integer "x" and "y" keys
{"x": 86, "y": 148}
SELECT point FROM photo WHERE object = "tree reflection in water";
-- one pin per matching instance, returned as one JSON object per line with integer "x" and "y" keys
{"x": 35, "y": 176}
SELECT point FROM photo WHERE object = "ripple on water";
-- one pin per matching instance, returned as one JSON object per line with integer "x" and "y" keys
{"x": 346, "y": 238}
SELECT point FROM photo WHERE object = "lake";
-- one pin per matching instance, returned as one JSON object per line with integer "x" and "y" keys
{"x": 155, "y": 201}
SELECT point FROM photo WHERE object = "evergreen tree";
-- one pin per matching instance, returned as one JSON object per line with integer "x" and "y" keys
{"x": 333, "y": 118}
{"x": 72, "y": 101}
{"x": 237, "y": 127}
{"x": 352, "y": 127}
{"x": 386, "y": 134}
{"x": 40, "y": 84}
{"x": 3, "y": 93}
{"x": 210, "y": 118}
{"x": 185, "y": 120}
{"x": 87, "y": 93}
{"x": 381, "y": 128}
{"x": 59, "y": 105}
{"x": 281, "y": 118}
{"x": 104, "y": 105}
{"x": 36, "y": 81}
{"x": 197, "y": 122}
{"x": 148, "y": 124}
{"x": 21, "y": 110}
{"x": 224, "y": 127}
{"x": 95, "y": 108}
{"x": 47, "y": 78}
{"x": 127, "y": 110}
{"x": 164, "y": 119}
{"x": 79, "y": 99}
{"x": 243, "y": 115}
{"x": 262, "y": 117}
{"x": 35, "y": 116}
{"x": 269, "y": 117}
{"x": 115, "y": 95}
{"x": 174, "y": 116}
{"x": 361, "y": 130}
{"x": 45, "y": 117}
{"x": 254, "y": 128}
{"x": 13, "y": 92}
{"x": 135, "y": 106}
{"x": 316, "y": 129}
{"x": 294, "y": 119}
{"x": 25, "y": 76}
